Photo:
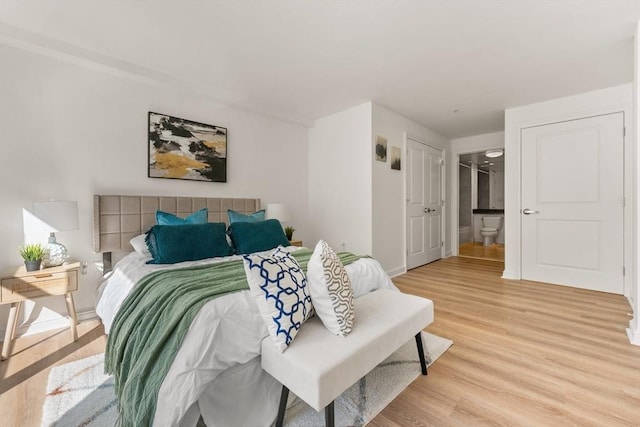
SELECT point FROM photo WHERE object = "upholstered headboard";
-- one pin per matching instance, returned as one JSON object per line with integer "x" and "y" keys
{"x": 116, "y": 219}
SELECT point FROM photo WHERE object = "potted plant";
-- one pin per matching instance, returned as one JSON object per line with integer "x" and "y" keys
{"x": 288, "y": 231}
{"x": 32, "y": 255}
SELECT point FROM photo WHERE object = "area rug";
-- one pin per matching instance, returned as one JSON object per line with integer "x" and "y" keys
{"x": 80, "y": 394}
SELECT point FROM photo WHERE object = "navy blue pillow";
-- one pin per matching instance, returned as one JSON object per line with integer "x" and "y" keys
{"x": 166, "y": 218}
{"x": 249, "y": 237}
{"x": 170, "y": 244}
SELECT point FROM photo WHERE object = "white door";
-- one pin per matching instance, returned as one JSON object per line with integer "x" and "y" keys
{"x": 572, "y": 203}
{"x": 424, "y": 204}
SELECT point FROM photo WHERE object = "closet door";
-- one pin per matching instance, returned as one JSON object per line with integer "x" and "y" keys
{"x": 424, "y": 204}
{"x": 572, "y": 200}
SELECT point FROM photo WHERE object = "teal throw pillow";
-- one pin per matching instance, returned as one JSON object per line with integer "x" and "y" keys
{"x": 170, "y": 244}
{"x": 250, "y": 237}
{"x": 240, "y": 217}
{"x": 166, "y": 218}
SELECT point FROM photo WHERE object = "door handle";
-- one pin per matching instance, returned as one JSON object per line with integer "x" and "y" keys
{"x": 527, "y": 211}
{"x": 428, "y": 210}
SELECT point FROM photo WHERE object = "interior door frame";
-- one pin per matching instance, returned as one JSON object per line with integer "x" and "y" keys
{"x": 406, "y": 137}
{"x": 574, "y": 108}
{"x": 456, "y": 152}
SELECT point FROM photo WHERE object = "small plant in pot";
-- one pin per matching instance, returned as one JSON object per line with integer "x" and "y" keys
{"x": 32, "y": 255}
{"x": 288, "y": 231}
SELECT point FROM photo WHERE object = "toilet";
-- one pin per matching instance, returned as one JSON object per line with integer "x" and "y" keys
{"x": 491, "y": 226}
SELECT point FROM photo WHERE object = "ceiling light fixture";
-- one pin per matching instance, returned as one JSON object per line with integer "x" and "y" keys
{"x": 494, "y": 153}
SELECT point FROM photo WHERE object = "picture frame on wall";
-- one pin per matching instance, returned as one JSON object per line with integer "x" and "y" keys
{"x": 381, "y": 148}
{"x": 396, "y": 161}
{"x": 186, "y": 149}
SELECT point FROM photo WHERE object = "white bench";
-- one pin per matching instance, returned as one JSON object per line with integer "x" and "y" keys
{"x": 318, "y": 365}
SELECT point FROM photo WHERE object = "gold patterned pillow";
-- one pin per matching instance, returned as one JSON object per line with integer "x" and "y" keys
{"x": 330, "y": 289}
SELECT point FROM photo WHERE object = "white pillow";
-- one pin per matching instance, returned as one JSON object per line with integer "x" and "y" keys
{"x": 140, "y": 246}
{"x": 280, "y": 288}
{"x": 331, "y": 291}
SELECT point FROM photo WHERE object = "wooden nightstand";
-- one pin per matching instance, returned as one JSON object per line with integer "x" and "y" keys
{"x": 18, "y": 285}
{"x": 295, "y": 242}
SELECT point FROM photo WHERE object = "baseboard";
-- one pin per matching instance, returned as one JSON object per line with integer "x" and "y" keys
{"x": 508, "y": 274}
{"x": 397, "y": 271}
{"x": 633, "y": 333}
{"x": 48, "y": 325}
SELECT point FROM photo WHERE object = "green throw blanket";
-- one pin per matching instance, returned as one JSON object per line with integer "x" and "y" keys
{"x": 153, "y": 321}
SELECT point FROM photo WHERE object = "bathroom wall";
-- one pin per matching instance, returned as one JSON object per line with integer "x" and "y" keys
{"x": 484, "y": 191}
{"x": 464, "y": 209}
{"x": 496, "y": 189}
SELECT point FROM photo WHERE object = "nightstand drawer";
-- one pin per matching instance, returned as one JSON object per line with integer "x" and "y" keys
{"x": 38, "y": 285}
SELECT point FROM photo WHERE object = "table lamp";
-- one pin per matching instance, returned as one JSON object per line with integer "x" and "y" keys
{"x": 281, "y": 213}
{"x": 58, "y": 216}
{"x": 277, "y": 211}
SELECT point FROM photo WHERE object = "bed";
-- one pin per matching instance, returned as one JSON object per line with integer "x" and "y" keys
{"x": 216, "y": 371}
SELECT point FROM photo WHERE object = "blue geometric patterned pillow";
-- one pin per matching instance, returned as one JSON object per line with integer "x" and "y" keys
{"x": 280, "y": 288}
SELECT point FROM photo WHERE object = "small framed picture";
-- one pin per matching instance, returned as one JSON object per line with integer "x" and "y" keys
{"x": 381, "y": 148}
{"x": 396, "y": 162}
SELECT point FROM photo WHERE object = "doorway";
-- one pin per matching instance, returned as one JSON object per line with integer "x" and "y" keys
{"x": 481, "y": 205}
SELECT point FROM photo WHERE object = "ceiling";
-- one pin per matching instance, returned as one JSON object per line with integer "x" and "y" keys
{"x": 483, "y": 161}
{"x": 452, "y": 66}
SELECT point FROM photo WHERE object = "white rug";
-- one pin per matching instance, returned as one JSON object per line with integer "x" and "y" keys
{"x": 79, "y": 394}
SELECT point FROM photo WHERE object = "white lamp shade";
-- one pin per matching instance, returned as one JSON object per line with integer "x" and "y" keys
{"x": 58, "y": 216}
{"x": 277, "y": 211}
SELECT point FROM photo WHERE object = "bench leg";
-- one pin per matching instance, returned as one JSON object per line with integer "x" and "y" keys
{"x": 329, "y": 420}
{"x": 423, "y": 363}
{"x": 283, "y": 405}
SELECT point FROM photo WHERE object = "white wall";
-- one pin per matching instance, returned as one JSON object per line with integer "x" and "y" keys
{"x": 470, "y": 144}
{"x": 389, "y": 198}
{"x": 618, "y": 98}
{"x": 355, "y": 202}
{"x": 340, "y": 180}
{"x": 634, "y": 293}
{"x": 69, "y": 129}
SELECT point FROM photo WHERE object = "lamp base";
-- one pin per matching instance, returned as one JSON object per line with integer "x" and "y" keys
{"x": 55, "y": 253}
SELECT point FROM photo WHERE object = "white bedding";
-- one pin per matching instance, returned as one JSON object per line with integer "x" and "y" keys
{"x": 216, "y": 372}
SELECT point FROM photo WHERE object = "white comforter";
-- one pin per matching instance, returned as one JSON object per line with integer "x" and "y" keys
{"x": 216, "y": 372}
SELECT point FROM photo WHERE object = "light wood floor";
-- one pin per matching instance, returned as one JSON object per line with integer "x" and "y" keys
{"x": 494, "y": 252}
{"x": 524, "y": 354}
{"x": 24, "y": 375}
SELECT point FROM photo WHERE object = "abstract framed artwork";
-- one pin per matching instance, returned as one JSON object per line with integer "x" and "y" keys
{"x": 396, "y": 158}
{"x": 184, "y": 149}
{"x": 381, "y": 148}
